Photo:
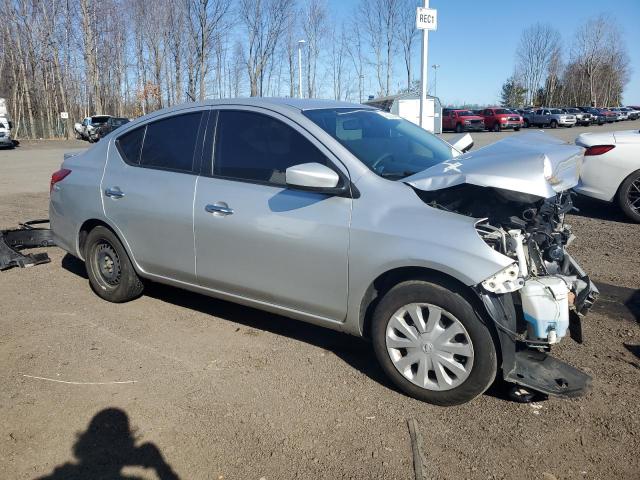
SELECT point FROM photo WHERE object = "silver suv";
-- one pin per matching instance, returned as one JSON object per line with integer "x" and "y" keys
{"x": 347, "y": 217}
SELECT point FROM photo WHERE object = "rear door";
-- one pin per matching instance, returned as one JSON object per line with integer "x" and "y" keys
{"x": 148, "y": 189}
{"x": 259, "y": 239}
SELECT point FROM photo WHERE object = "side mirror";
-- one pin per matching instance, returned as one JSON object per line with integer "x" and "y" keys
{"x": 313, "y": 177}
{"x": 463, "y": 142}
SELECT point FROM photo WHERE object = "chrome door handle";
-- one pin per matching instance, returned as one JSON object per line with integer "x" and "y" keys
{"x": 114, "y": 192}
{"x": 219, "y": 209}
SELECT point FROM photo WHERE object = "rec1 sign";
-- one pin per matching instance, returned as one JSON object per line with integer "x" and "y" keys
{"x": 426, "y": 19}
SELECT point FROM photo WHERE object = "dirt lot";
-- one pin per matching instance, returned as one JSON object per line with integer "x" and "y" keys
{"x": 213, "y": 390}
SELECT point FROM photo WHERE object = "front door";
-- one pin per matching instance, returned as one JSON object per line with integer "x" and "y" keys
{"x": 148, "y": 189}
{"x": 258, "y": 239}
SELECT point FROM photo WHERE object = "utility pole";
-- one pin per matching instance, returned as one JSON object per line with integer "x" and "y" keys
{"x": 435, "y": 79}
{"x": 300, "y": 45}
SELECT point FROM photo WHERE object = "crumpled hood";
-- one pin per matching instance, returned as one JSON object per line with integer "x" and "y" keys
{"x": 534, "y": 163}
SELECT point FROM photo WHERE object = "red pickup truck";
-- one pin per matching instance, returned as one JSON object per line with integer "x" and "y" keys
{"x": 496, "y": 119}
{"x": 461, "y": 120}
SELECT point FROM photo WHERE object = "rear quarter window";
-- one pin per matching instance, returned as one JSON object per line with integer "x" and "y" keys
{"x": 130, "y": 144}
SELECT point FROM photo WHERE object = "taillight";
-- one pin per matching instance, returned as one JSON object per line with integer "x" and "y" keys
{"x": 599, "y": 149}
{"x": 58, "y": 176}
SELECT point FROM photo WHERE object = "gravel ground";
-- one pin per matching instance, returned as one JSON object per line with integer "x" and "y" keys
{"x": 214, "y": 390}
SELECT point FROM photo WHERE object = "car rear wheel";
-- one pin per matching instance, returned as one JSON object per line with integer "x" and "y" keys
{"x": 553, "y": 124}
{"x": 629, "y": 196}
{"x": 109, "y": 269}
{"x": 431, "y": 343}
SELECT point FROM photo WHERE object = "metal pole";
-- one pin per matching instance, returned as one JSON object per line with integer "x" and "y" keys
{"x": 424, "y": 70}
{"x": 435, "y": 79}
{"x": 300, "y": 42}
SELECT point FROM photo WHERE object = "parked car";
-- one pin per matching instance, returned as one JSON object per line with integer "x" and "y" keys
{"x": 610, "y": 116}
{"x": 461, "y": 120}
{"x": 621, "y": 113}
{"x": 5, "y": 133}
{"x": 554, "y": 117}
{"x": 348, "y": 217}
{"x": 597, "y": 117}
{"x": 86, "y": 129}
{"x": 582, "y": 118}
{"x": 631, "y": 113}
{"x": 497, "y": 119}
{"x": 107, "y": 127}
{"x": 611, "y": 169}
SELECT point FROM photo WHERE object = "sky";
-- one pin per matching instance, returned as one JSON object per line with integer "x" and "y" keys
{"x": 476, "y": 41}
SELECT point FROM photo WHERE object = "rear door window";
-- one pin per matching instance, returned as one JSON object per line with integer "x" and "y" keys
{"x": 254, "y": 147}
{"x": 170, "y": 143}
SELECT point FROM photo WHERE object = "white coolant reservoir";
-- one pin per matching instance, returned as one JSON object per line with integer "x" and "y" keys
{"x": 545, "y": 304}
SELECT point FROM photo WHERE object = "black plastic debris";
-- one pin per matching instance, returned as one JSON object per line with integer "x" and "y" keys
{"x": 29, "y": 235}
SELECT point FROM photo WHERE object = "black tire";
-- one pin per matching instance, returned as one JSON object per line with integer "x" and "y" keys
{"x": 483, "y": 371}
{"x": 109, "y": 269}
{"x": 553, "y": 124}
{"x": 496, "y": 127}
{"x": 526, "y": 123}
{"x": 629, "y": 192}
{"x": 516, "y": 129}
{"x": 459, "y": 128}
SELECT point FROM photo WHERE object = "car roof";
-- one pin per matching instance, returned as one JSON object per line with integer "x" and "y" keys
{"x": 300, "y": 104}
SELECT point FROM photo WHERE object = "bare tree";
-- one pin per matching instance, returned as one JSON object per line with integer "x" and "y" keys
{"x": 266, "y": 22}
{"x": 314, "y": 17}
{"x": 535, "y": 50}
{"x": 207, "y": 21}
{"x": 407, "y": 33}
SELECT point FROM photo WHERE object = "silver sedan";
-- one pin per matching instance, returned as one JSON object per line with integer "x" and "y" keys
{"x": 347, "y": 217}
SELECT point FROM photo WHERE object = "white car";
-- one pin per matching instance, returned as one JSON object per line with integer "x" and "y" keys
{"x": 611, "y": 169}
{"x": 5, "y": 133}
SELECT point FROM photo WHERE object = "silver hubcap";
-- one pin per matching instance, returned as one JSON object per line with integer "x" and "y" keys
{"x": 633, "y": 196}
{"x": 429, "y": 346}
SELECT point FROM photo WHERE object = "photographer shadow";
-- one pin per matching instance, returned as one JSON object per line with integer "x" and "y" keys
{"x": 108, "y": 446}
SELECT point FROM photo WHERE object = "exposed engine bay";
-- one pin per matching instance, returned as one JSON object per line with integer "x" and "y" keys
{"x": 539, "y": 298}
{"x": 532, "y": 232}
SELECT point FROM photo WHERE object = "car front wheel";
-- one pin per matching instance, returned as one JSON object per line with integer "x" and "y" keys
{"x": 629, "y": 196}
{"x": 431, "y": 343}
{"x": 109, "y": 269}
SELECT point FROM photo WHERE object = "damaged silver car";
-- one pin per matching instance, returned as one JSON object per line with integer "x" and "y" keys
{"x": 454, "y": 265}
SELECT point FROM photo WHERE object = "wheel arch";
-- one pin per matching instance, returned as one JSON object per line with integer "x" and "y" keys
{"x": 387, "y": 280}
{"x": 92, "y": 223}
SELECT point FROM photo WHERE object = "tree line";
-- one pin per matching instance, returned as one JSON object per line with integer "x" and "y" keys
{"x": 592, "y": 70}
{"x": 130, "y": 57}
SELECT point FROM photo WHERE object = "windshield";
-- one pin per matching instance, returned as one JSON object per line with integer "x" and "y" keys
{"x": 465, "y": 113}
{"x": 502, "y": 111}
{"x": 555, "y": 111}
{"x": 117, "y": 122}
{"x": 388, "y": 145}
{"x": 99, "y": 120}
{"x": 572, "y": 110}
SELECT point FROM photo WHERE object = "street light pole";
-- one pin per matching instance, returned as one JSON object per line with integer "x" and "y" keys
{"x": 300, "y": 45}
{"x": 435, "y": 79}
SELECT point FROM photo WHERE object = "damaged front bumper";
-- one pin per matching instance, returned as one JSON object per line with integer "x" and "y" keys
{"x": 528, "y": 364}
{"x": 28, "y": 236}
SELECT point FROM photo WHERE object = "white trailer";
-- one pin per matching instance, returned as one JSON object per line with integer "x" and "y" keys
{"x": 407, "y": 106}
